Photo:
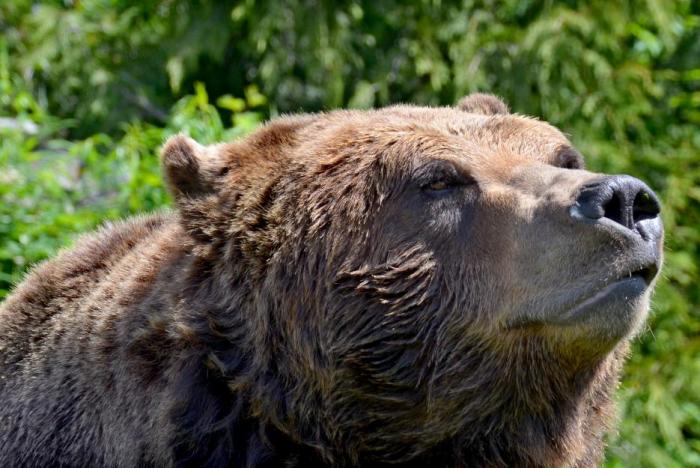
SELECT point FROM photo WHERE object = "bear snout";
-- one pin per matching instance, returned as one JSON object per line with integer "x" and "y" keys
{"x": 629, "y": 210}
{"x": 622, "y": 202}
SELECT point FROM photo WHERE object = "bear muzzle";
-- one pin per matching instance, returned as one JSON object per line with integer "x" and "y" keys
{"x": 626, "y": 207}
{"x": 622, "y": 202}
{"x": 629, "y": 212}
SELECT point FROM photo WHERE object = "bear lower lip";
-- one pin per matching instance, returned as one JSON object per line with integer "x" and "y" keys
{"x": 617, "y": 296}
{"x": 611, "y": 306}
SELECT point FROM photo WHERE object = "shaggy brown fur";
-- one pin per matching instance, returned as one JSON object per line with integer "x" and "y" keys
{"x": 345, "y": 289}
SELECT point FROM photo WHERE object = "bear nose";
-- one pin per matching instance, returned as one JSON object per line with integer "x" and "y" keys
{"x": 623, "y": 199}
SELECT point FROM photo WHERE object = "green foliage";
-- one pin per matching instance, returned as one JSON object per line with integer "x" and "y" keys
{"x": 90, "y": 89}
{"x": 53, "y": 189}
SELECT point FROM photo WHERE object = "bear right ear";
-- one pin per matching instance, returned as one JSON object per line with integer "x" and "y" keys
{"x": 481, "y": 103}
{"x": 193, "y": 174}
{"x": 184, "y": 163}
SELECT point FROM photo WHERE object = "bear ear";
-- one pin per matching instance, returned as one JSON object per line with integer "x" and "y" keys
{"x": 184, "y": 163}
{"x": 481, "y": 103}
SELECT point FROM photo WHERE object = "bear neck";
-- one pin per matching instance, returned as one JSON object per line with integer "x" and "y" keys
{"x": 232, "y": 407}
{"x": 546, "y": 411}
{"x": 527, "y": 407}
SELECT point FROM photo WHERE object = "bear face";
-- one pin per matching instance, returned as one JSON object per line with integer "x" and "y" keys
{"x": 407, "y": 286}
{"x": 418, "y": 271}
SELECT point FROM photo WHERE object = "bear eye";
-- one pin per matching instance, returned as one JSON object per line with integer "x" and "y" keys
{"x": 438, "y": 185}
{"x": 439, "y": 178}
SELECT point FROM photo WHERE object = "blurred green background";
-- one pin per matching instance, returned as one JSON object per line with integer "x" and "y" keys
{"x": 90, "y": 89}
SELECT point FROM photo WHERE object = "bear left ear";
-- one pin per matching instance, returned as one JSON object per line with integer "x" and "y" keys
{"x": 187, "y": 169}
{"x": 481, "y": 103}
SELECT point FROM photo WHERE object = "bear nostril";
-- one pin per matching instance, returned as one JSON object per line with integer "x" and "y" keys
{"x": 623, "y": 199}
{"x": 614, "y": 209}
{"x": 645, "y": 206}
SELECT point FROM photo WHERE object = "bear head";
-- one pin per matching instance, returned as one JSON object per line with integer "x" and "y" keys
{"x": 409, "y": 278}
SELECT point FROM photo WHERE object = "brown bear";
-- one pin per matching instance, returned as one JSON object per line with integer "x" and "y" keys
{"x": 407, "y": 286}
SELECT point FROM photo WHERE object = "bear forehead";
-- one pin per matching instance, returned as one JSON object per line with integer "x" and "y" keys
{"x": 508, "y": 135}
{"x": 496, "y": 142}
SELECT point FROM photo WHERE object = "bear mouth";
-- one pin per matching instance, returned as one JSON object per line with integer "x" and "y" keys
{"x": 647, "y": 273}
{"x": 609, "y": 304}
{"x": 617, "y": 296}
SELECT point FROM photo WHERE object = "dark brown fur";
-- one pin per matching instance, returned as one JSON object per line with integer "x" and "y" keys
{"x": 306, "y": 306}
